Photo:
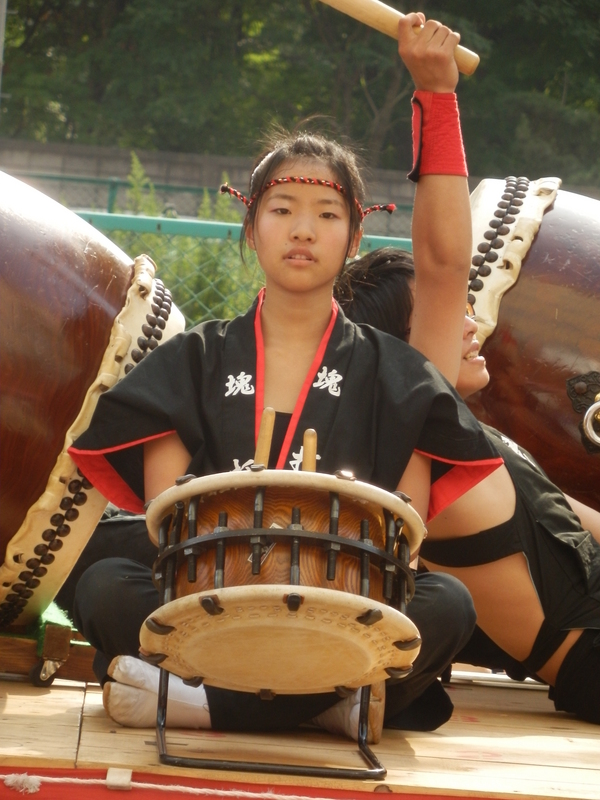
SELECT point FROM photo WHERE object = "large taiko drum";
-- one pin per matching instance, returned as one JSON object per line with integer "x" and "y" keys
{"x": 276, "y": 581}
{"x": 77, "y": 314}
{"x": 535, "y": 292}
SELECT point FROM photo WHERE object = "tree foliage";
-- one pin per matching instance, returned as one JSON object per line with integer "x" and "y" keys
{"x": 206, "y": 276}
{"x": 209, "y": 76}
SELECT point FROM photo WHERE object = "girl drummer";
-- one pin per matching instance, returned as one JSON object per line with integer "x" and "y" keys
{"x": 542, "y": 555}
{"x": 379, "y": 408}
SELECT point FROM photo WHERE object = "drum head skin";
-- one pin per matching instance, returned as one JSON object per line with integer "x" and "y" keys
{"x": 247, "y": 639}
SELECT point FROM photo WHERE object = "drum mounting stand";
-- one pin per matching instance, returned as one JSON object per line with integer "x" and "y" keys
{"x": 376, "y": 771}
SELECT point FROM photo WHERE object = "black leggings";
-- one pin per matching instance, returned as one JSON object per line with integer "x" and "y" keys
{"x": 577, "y": 687}
{"x": 114, "y": 597}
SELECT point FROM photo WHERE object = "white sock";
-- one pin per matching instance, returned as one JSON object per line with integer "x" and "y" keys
{"x": 131, "y": 699}
{"x": 342, "y": 718}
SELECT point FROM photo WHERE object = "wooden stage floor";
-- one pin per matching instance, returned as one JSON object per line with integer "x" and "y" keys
{"x": 502, "y": 741}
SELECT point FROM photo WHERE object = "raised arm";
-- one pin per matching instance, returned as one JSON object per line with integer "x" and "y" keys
{"x": 441, "y": 226}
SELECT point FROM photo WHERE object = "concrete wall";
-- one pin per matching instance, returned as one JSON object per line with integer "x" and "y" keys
{"x": 183, "y": 169}
{"x": 189, "y": 169}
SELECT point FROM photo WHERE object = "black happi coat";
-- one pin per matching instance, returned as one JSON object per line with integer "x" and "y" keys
{"x": 372, "y": 399}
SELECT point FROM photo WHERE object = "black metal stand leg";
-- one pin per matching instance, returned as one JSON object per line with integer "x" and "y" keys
{"x": 375, "y": 771}
{"x": 363, "y": 731}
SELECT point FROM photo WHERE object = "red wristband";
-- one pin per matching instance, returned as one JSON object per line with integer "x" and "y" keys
{"x": 437, "y": 138}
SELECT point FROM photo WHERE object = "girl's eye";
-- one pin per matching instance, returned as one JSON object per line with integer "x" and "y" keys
{"x": 329, "y": 215}
{"x": 281, "y": 210}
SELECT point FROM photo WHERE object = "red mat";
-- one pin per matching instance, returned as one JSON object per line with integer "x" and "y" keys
{"x": 80, "y": 784}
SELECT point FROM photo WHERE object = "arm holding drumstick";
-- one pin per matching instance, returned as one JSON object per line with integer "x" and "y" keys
{"x": 441, "y": 226}
{"x": 441, "y": 232}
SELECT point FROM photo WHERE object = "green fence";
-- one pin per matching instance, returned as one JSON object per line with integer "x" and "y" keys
{"x": 199, "y": 261}
{"x": 111, "y": 194}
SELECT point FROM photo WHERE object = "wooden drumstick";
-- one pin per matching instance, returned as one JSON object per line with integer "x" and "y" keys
{"x": 385, "y": 19}
{"x": 265, "y": 434}
{"x": 309, "y": 450}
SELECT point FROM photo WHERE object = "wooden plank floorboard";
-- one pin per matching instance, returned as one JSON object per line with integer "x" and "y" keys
{"x": 501, "y": 742}
{"x": 39, "y": 726}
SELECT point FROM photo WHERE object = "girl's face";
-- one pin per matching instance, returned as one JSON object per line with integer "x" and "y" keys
{"x": 473, "y": 374}
{"x": 301, "y": 231}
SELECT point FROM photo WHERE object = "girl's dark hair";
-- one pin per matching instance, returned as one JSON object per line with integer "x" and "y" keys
{"x": 375, "y": 289}
{"x": 288, "y": 146}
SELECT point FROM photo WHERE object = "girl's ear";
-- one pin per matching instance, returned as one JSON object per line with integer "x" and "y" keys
{"x": 249, "y": 235}
{"x": 356, "y": 243}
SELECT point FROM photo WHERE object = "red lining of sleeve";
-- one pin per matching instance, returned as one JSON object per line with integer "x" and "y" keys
{"x": 105, "y": 478}
{"x": 458, "y": 481}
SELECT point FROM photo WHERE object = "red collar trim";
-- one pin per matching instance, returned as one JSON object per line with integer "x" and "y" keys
{"x": 308, "y": 381}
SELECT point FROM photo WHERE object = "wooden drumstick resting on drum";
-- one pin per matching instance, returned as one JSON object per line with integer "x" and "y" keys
{"x": 385, "y": 19}
{"x": 309, "y": 450}
{"x": 265, "y": 434}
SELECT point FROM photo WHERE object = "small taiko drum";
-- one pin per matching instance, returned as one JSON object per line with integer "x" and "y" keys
{"x": 77, "y": 314}
{"x": 274, "y": 581}
{"x": 535, "y": 292}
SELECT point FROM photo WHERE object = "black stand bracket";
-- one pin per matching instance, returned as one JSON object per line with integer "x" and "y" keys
{"x": 375, "y": 771}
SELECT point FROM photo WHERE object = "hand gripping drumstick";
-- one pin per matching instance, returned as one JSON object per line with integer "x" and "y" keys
{"x": 265, "y": 434}
{"x": 309, "y": 451}
{"x": 385, "y": 19}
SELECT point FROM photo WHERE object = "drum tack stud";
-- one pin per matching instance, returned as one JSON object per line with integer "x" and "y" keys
{"x": 370, "y": 617}
{"x": 403, "y": 496}
{"x": 153, "y": 658}
{"x": 266, "y": 694}
{"x": 344, "y": 475}
{"x": 184, "y": 479}
{"x": 211, "y": 605}
{"x": 156, "y": 627}
{"x": 193, "y": 682}
{"x": 293, "y": 601}
{"x": 408, "y": 644}
{"x": 344, "y": 691}
{"x": 396, "y": 673}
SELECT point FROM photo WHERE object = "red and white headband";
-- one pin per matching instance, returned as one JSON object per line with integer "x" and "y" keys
{"x": 225, "y": 189}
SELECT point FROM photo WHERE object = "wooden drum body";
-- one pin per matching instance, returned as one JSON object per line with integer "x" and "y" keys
{"x": 543, "y": 330}
{"x": 282, "y": 582}
{"x": 74, "y": 311}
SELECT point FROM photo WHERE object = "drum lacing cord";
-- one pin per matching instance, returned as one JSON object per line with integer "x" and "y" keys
{"x": 29, "y": 784}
